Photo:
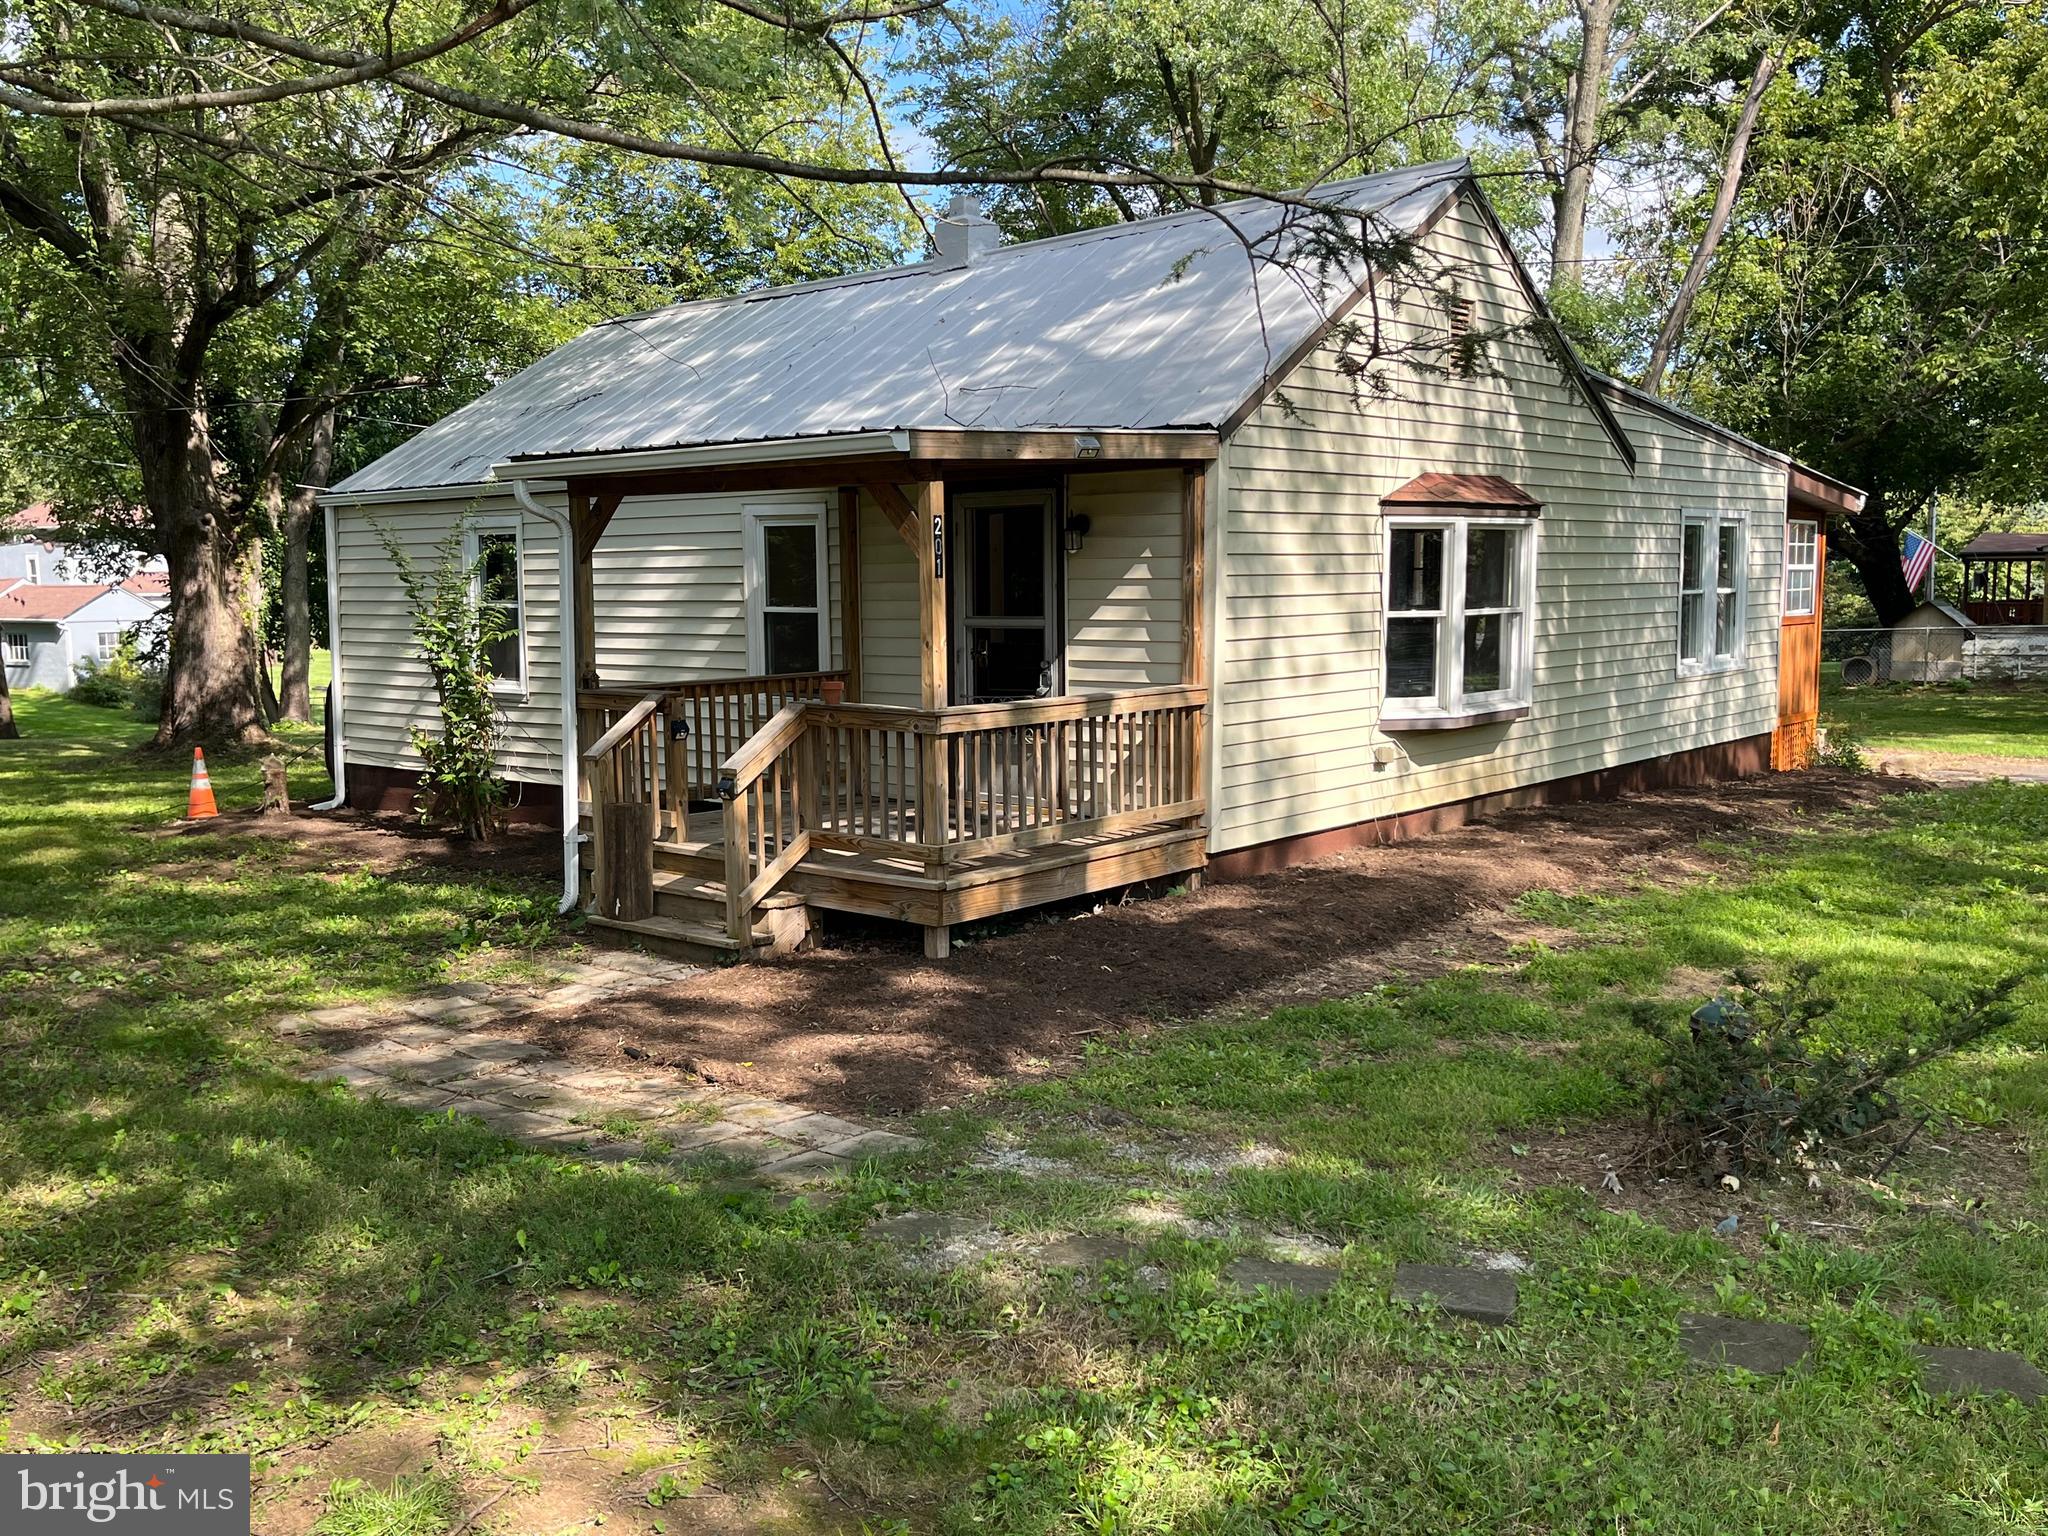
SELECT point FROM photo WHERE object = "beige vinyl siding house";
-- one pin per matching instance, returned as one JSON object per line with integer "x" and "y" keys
{"x": 1301, "y": 621}
{"x": 1122, "y": 571}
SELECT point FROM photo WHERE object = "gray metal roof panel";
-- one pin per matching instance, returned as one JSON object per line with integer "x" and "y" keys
{"x": 1167, "y": 322}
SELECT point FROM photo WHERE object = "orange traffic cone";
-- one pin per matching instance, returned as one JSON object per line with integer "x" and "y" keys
{"x": 199, "y": 803}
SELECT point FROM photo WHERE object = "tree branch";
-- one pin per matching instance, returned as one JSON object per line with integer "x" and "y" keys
{"x": 66, "y": 104}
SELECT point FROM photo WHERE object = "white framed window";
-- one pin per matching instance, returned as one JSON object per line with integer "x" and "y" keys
{"x": 35, "y": 569}
{"x": 787, "y": 616}
{"x": 16, "y": 645}
{"x": 1460, "y": 615}
{"x": 106, "y": 645}
{"x": 494, "y": 551}
{"x": 1802, "y": 568}
{"x": 1713, "y": 591}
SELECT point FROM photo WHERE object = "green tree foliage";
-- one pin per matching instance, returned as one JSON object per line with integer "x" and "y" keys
{"x": 209, "y": 308}
{"x": 1880, "y": 306}
{"x": 1273, "y": 93}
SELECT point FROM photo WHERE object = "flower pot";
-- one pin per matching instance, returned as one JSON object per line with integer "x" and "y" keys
{"x": 832, "y": 691}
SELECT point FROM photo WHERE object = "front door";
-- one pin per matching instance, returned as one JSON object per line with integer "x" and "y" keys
{"x": 1006, "y": 597}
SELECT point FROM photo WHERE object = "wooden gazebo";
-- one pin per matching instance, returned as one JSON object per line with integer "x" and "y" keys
{"x": 2004, "y": 576}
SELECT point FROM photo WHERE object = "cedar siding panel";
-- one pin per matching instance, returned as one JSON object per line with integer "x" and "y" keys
{"x": 1299, "y": 595}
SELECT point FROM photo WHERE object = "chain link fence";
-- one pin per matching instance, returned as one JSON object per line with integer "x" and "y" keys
{"x": 1859, "y": 657}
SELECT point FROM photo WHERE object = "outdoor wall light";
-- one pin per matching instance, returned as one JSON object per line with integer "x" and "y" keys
{"x": 1087, "y": 447}
{"x": 1077, "y": 531}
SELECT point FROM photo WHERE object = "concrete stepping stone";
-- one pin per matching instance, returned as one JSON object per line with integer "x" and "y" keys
{"x": 495, "y": 1049}
{"x": 427, "y": 1064}
{"x": 870, "y": 1144}
{"x": 1089, "y": 1251}
{"x": 811, "y": 1165}
{"x": 1463, "y": 1290}
{"x": 913, "y": 1229}
{"x": 1985, "y": 1372}
{"x": 1765, "y": 1349}
{"x": 1281, "y": 1275}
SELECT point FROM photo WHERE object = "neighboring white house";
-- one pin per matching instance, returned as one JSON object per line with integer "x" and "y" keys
{"x": 1124, "y": 566}
{"x": 34, "y": 547}
{"x": 48, "y": 630}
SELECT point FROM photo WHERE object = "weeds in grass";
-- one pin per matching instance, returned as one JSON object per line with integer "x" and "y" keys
{"x": 411, "y": 1506}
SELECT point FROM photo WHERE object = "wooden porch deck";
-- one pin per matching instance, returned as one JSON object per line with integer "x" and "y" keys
{"x": 926, "y": 817}
{"x": 877, "y": 883}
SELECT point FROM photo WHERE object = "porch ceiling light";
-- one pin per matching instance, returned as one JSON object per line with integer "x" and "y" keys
{"x": 1087, "y": 446}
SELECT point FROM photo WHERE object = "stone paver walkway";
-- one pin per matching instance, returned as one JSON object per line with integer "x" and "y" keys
{"x": 436, "y": 1053}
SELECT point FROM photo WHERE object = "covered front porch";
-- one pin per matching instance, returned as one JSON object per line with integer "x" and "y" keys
{"x": 977, "y": 687}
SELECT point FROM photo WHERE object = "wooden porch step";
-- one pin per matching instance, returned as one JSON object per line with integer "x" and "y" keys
{"x": 679, "y": 885}
{"x": 676, "y": 939}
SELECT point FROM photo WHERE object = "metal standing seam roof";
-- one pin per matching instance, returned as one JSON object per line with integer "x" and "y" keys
{"x": 1172, "y": 322}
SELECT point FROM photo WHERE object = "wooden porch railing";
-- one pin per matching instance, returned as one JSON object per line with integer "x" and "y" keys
{"x": 622, "y": 771}
{"x": 941, "y": 786}
{"x": 768, "y": 787}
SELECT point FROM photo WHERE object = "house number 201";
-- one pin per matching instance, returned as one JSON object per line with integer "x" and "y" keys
{"x": 938, "y": 547}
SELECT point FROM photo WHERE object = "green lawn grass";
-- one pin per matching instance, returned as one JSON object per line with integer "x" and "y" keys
{"x": 197, "y": 1252}
{"x": 1978, "y": 720}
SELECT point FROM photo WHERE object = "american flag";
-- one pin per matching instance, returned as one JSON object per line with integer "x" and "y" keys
{"x": 1917, "y": 559}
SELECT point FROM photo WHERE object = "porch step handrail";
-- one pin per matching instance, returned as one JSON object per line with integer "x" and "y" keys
{"x": 766, "y": 787}
{"x": 623, "y": 771}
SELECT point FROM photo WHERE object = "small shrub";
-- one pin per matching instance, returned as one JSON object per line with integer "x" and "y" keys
{"x": 1746, "y": 1085}
{"x": 106, "y": 684}
{"x": 455, "y": 632}
{"x": 146, "y": 694}
{"x": 1841, "y": 751}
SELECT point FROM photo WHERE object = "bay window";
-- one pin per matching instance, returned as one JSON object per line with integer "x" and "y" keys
{"x": 1459, "y": 597}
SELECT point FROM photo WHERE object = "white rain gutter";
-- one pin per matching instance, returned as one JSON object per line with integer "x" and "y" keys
{"x": 337, "y": 719}
{"x": 572, "y": 761}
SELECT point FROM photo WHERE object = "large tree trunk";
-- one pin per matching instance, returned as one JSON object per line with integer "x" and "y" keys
{"x": 9, "y": 731}
{"x": 1717, "y": 225}
{"x": 1588, "y": 93}
{"x": 295, "y": 694}
{"x": 210, "y": 692}
{"x": 1872, "y": 545}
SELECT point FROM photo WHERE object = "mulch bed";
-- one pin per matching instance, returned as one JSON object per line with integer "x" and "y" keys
{"x": 381, "y": 844}
{"x": 864, "y": 1025}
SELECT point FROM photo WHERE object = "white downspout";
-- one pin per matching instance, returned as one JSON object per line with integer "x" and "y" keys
{"x": 338, "y": 720}
{"x": 572, "y": 760}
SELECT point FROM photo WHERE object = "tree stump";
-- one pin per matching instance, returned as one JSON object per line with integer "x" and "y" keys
{"x": 277, "y": 800}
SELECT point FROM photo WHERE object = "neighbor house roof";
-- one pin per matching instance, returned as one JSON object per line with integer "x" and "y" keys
{"x": 35, "y": 517}
{"x": 148, "y": 584}
{"x": 2008, "y": 544}
{"x": 1173, "y": 322}
{"x": 49, "y": 603}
